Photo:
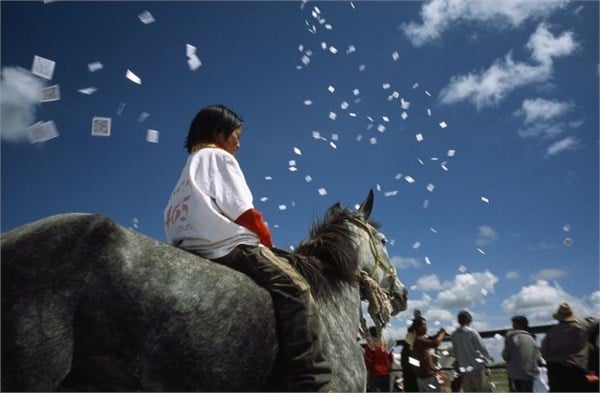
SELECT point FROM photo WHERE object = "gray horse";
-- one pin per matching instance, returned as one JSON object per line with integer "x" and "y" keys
{"x": 90, "y": 305}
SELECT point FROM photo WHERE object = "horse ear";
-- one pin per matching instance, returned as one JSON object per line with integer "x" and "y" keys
{"x": 366, "y": 206}
{"x": 335, "y": 207}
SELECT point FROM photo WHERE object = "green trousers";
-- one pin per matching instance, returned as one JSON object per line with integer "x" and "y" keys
{"x": 306, "y": 368}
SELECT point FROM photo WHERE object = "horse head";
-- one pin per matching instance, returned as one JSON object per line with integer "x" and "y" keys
{"x": 374, "y": 258}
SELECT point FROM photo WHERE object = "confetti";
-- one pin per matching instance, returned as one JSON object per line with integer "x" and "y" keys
{"x": 143, "y": 116}
{"x": 451, "y": 153}
{"x": 428, "y": 93}
{"x": 443, "y": 124}
{"x": 88, "y": 90}
{"x": 568, "y": 242}
{"x": 420, "y": 161}
{"x": 193, "y": 62}
{"x": 322, "y": 191}
{"x": 297, "y": 151}
{"x": 485, "y": 199}
{"x": 414, "y": 362}
{"x": 404, "y": 104}
{"x": 566, "y": 227}
{"x": 316, "y": 135}
{"x": 146, "y": 17}
{"x": 133, "y": 77}
{"x": 292, "y": 163}
{"x": 498, "y": 336}
{"x": 308, "y": 102}
{"x": 428, "y": 112}
{"x": 390, "y": 193}
{"x": 430, "y": 187}
{"x": 386, "y": 86}
{"x": 484, "y": 291}
{"x": 42, "y": 132}
{"x": 307, "y": 178}
{"x": 409, "y": 179}
{"x": 373, "y": 141}
{"x": 50, "y": 93}
{"x": 356, "y": 92}
{"x": 395, "y": 55}
{"x": 427, "y": 261}
{"x": 335, "y": 137}
{"x": 386, "y": 119}
{"x": 433, "y": 230}
{"x": 331, "y": 89}
{"x": 293, "y": 169}
{"x": 481, "y": 251}
{"x": 120, "y": 109}
{"x": 416, "y": 245}
{"x": 443, "y": 165}
{"x": 419, "y": 137}
{"x": 462, "y": 268}
{"x": 282, "y": 207}
{"x": 264, "y": 199}
{"x": 152, "y": 136}
{"x": 333, "y": 145}
{"x": 381, "y": 128}
{"x": 101, "y": 126}
{"x": 404, "y": 115}
{"x": 351, "y": 49}
{"x": 332, "y": 115}
{"x": 95, "y": 66}
{"x": 415, "y": 85}
{"x": 268, "y": 178}
{"x": 333, "y": 50}
{"x": 425, "y": 203}
{"x": 344, "y": 105}
{"x": 362, "y": 67}
{"x": 43, "y": 67}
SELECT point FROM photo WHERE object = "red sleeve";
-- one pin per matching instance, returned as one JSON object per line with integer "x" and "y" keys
{"x": 253, "y": 220}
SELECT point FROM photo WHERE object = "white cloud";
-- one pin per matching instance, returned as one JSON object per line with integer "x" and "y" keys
{"x": 491, "y": 86}
{"x": 486, "y": 235}
{"x": 18, "y": 102}
{"x": 467, "y": 290}
{"x": 568, "y": 143}
{"x": 540, "y": 109}
{"x": 549, "y": 274}
{"x": 512, "y": 275}
{"x": 540, "y": 300}
{"x": 405, "y": 263}
{"x": 439, "y": 15}
{"x": 429, "y": 283}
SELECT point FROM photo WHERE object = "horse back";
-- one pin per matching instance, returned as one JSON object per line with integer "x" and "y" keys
{"x": 79, "y": 287}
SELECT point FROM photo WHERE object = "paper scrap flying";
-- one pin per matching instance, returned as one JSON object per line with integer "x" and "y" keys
{"x": 152, "y": 136}
{"x": 43, "y": 67}
{"x": 50, "y": 93}
{"x": 146, "y": 17}
{"x": 95, "y": 66}
{"x": 133, "y": 77}
{"x": 88, "y": 90}
{"x": 101, "y": 126}
{"x": 42, "y": 132}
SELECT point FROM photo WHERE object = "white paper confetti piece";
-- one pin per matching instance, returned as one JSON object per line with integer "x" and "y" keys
{"x": 419, "y": 137}
{"x": 333, "y": 145}
{"x": 50, "y": 93}
{"x": 331, "y": 89}
{"x": 390, "y": 193}
{"x": 88, "y": 90}
{"x": 143, "y": 116}
{"x": 332, "y": 115}
{"x": 386, "y": 86}
{"x": 308, "y": 178}
{"x": 293, "y": 169}
{"x": 409, "y": 179}
{"x": 352, "y": 5}
{"x": 427, "y": 261}
{"x": 415, "y": 85}
{"x": 190, "y": 50}
{"x": 485, "y": 199}
{"x": 381, "y": 128}
{"x": 414, "y": 362}
{"x": 428, "y": 112}
{"x": 264, "y": 199}
{"x": 568, "y": 242}
{"x": 292, "y": 163}
{"x": 430, "y": 187}
{"x": 101, "y": 126}
{"x": 481, "y": 251}
{"x": 316, "y": 135}
{"x": 297, "y": 151}
{"x": 373, "y": 141}
{"x": 462, "y": 268}
{"x": 451, "y": 153}
{"x": 268, "y": 178}
{"x": 404, "y": 115}
{"x": 420, "y": 161}
{"x": 43, "y": 67}
{"x": 152, "y": 136}
{"x": 356, "y": 92}
{"x": 307, "y": 102}
{"x": 133, "y": 77}
{"x": 282, "y": 207}
{"x": 433, "y": 230}
{"x": 443, "y": 124}
{"x": 146, "y": 17}
{"x": 194, "y": 63}
{"x": 95, "y": 66}
{"x": 351, "y": 49}
{"x": 484, "y": 291}
{"x": 362, "y": 67}
{"x": 425, "y": 203}
{"x": 121, "y": 108}
{"x": 566, "y": 227}
{"x": 428, "y": 93}
{"x": 42, "y": 132}
{"x": 344, "y": 105}
{"x": 444, "y": 167}
{"x": 416, "y": 245}
{"x": 335, "y": 137}
{"x": 322, "y": 191}
{"x": 498, "y": 336}
{"x": 333, "y": 50}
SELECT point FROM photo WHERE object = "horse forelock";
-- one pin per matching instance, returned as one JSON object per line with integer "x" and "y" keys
{"x": 329, "y": 257}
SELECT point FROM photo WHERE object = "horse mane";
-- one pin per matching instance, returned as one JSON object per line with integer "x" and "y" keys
{"x": 328, "y": 257}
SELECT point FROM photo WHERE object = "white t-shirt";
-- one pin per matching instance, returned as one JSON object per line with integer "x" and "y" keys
{"x": 210, "y": 195}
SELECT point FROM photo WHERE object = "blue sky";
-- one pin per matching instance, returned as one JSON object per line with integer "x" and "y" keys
{"x": 475, "y": 122}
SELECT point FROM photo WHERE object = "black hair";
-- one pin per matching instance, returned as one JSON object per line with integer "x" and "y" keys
{"x": 464, "y": 318}
{"x": 521, "y": 321}
{"x": 209, "y": 122}
{"x": 373, "y": 332}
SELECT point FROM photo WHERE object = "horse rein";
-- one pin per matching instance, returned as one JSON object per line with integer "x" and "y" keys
{"x": 380, "y": 261}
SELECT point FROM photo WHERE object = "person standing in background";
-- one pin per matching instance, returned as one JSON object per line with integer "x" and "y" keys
{"x": 471, "y": 354}
{"x": 521, "y": 355}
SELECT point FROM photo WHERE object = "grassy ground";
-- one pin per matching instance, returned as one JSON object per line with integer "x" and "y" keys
{"x": 500, "y": 381}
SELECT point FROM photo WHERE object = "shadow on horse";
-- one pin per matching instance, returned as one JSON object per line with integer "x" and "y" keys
{"x": 90, "y": 305}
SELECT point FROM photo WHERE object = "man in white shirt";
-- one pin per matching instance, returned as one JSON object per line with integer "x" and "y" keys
{"x": 211, "y": 213}
{"x": 471, "y": 354}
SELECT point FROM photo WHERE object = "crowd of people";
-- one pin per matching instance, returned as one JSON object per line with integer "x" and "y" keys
{"x": 568, "y": 355}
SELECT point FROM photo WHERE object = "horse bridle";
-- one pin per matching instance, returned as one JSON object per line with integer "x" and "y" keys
{"x": 380, "y": 261}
